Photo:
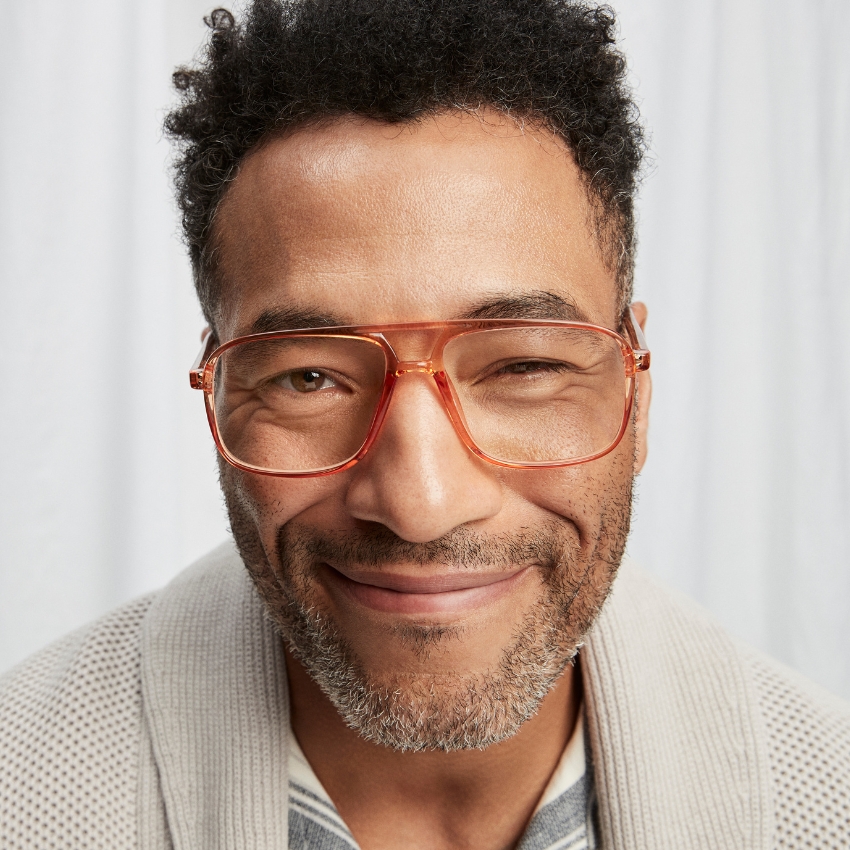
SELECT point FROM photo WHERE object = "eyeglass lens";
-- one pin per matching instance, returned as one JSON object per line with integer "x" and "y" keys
{"x": 526, "y": 395}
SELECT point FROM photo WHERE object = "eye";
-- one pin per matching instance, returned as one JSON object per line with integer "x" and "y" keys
{"x": 305, "y": 381}
{"x": 527, "y": 367}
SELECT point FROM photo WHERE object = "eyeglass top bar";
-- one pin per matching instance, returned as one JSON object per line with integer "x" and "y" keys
{"x": 198, "y": 378}
{"x": 426, "y": 366}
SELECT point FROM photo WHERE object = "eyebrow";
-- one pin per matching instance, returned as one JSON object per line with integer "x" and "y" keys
{"x": 528, "y": 305}
{"x": 290, "y": 319}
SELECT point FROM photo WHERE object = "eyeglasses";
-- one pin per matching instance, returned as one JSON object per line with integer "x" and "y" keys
{"x": 519, "y": 393}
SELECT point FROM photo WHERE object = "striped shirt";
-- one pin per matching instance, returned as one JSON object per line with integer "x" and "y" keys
{"x": 563, "y": 819}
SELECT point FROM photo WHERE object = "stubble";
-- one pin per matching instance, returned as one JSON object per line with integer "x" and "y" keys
{"x": 416, "y": 711}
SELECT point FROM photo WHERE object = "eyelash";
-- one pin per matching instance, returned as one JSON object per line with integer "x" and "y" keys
{"x": 536, "y": 364}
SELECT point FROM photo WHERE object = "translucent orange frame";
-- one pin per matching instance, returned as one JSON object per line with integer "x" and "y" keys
{"x": 636, "y": 359}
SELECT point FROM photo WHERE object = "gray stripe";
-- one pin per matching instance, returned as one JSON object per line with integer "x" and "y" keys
{"x": 307, "y": 834}
{"x": 317, "y": 804}
{"x": 564, "y": 816}
{"x": 321, "y": 818}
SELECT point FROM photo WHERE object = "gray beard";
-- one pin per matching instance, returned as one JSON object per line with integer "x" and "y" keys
{"x": 446, "y": 712}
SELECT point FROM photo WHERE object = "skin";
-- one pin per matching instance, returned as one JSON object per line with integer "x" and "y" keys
{"x": 370, "y": 223}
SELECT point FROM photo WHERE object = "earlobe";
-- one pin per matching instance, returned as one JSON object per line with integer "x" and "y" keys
{"x": 642, "y": 400}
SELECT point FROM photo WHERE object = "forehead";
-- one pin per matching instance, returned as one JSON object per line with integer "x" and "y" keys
{"x": 358, "y": 222}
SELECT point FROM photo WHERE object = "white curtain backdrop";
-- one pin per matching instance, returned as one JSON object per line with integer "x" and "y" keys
{"x": 107, "y": 483}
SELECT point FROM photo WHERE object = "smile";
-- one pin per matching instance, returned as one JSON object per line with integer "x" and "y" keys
{"x": 449, "y": 593}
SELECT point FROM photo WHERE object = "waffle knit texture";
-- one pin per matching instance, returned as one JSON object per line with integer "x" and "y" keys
{"x": 164, "y": 725}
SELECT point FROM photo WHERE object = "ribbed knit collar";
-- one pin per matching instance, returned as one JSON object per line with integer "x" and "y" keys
{"x": 215, "y": 698}
{"x": 677, "y": 743}
{"x": 677, "y": 737}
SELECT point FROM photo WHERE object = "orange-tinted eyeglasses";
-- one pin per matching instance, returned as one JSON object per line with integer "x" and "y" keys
{"x": 519, "y": 393}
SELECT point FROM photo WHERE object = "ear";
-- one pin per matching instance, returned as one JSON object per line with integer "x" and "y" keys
{"x": 644, "y": 396}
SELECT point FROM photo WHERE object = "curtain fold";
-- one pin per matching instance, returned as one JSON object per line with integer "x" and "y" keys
{"x": 108, "y": 475}
{"x": 745, "y": 264}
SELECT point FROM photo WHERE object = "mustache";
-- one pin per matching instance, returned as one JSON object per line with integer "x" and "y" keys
{"x": 379, "y": 547}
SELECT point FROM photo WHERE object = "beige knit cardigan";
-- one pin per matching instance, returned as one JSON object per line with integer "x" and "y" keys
{"x": 164, "y": 725}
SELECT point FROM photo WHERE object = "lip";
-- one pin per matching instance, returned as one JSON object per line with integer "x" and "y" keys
{"x": 449, "y": 593}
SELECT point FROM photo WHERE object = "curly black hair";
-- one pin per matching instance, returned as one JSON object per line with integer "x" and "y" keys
{"x": 286, "y": 62}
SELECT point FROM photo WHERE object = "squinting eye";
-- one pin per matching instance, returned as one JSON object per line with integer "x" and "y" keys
{"x": 527, "y": 366}
{"x": 305, "y": 381}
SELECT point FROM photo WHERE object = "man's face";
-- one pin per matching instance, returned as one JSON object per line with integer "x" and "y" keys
{"x": 434, "y": 597}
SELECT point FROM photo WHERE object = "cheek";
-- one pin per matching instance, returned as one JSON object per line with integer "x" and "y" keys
{"x": 582, "y": 494}
{"x": 272, "y": 502}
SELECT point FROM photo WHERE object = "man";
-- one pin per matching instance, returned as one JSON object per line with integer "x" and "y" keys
{"x": 412, "y": 233}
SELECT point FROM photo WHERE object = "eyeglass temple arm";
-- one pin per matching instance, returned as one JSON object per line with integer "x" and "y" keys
{"x": 638, "y": 340}
{"x": 196, "y": 373}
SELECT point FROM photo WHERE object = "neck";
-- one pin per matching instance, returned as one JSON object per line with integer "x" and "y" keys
{"x": 470, "y": 798}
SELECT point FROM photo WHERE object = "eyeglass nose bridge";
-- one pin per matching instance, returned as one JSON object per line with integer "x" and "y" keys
{"x": 407, "y": 366}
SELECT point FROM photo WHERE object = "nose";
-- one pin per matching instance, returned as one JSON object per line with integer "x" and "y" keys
{"x": 418, "y": 479}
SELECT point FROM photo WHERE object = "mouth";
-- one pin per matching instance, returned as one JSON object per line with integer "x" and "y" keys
{"x": 447, "y": 593}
